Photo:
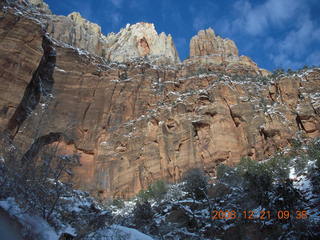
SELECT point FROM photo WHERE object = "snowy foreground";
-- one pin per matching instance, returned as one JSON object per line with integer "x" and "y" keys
{"x": 43, "y": 231}
{"x": 40, "y": 227}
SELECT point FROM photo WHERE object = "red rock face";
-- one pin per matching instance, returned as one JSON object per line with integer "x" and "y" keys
{"x": 143, "y": 47}
{"x": 134, "y": 123}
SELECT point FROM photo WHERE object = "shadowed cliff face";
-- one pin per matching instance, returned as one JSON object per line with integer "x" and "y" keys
{"x": 134, "y": 123}
{"x": 38, "y": 144}
{"x": 40, "y": 86}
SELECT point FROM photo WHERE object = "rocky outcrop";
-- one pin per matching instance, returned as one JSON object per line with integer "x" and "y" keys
{"x": 78, "y": 32}
{"x": 211, "y": 52}
{"x": 208, "y": 52}
{"x": 142, "y": 40}
{"x": 134, "y": 123}
{"x": 42, "y": 6}
{"x": 207, "y": 43}
{"x": 134, "y": 41}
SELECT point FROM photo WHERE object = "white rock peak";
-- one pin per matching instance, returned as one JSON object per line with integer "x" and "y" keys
{"x": 142, "y": 40}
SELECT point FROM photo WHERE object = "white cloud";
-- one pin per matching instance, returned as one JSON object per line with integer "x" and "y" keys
{"x": 278, "y": 11}
{"x": 284, "y": 61}
{"x": 297, "y": 40}
{"x": 115, "y": 18}
{"x": 296, "y": 45}
{"x": 314, "y": 59}
{"x": 199, "y": 22}
{"x": 286, "y": 27}
{"x": 269, "y": 43}
{"x": 137, "y": 5}
{"x": 202, "y": 17}
{"x": 117, "y": 3}
{"x": 255, "y": 19}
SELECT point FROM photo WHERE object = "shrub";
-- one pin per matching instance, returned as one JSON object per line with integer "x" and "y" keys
{"x": 263, "y": 79}
{"x": 196, "y": 183}
{"x": 314, "y": 172}
{"x": 277, "y": 72}
{"x": 258, "y": 179}
{"x": 144, "y": 196}
{"x": 156, "y": 191}
{"x": 296, "y": 144}
{"x": 36, "y": 183}
{"x": 314, "y": 151}
{"x": 223, "y": 171}
{"x": 202, "y": 71}
{"x": 238, "y": 78}
{"x": 301, "y": 163}
{"x": 287, "y": 196}
{"x": 244, "y": 163}
{"x": 278, "y": 167}
{"x": 259, "y": 185}
{"x": 290, "y": 71}
{"x": 142, "y": 213}
{"x": 315, "y": 181}
{"x": 118, "y": 202}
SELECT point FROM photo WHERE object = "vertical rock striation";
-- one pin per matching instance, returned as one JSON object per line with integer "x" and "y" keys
{"x": 40, "y": 86}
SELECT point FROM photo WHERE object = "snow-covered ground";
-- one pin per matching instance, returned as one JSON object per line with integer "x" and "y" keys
{"x": 116, "y": 232}
{"x": 43, "y": 231}
{"x": 38, "y": 225}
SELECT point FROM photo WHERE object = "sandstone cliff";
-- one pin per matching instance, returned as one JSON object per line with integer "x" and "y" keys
{"x": 142, "y": 40}
{"x": 137, "y": 122}
{"x": 207, "y": 43}
{"x": 78, "y": 32}
{"x": 134, "y": 41}
{"x": 213, "y": 53}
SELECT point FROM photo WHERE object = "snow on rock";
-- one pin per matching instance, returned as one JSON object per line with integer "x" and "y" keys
{"x": 124, "y": 211}
{"x": 133, "y": 234}
{"x": 70, "y": 230}
{"x": 292, "y": 173}
{"x": 118, "y": 232}
{"x": 60, "y": 69}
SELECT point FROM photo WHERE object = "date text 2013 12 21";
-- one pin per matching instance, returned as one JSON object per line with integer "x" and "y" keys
{"x": 263, "y": 215}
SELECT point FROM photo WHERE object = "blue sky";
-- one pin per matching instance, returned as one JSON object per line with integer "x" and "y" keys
{"x": 274, "y": 33}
